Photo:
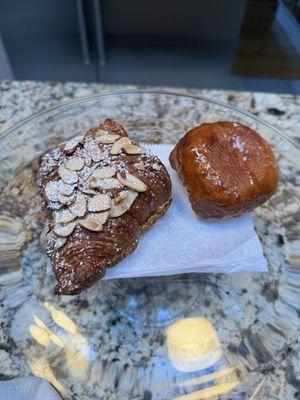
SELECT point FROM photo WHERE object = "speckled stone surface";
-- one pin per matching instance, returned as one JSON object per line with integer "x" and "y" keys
{"x": 22, "y": 99}
{"x": 258, "y": 296}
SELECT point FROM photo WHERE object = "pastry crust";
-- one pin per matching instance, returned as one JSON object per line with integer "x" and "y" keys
{"x": 228, "y": 169}
{"x": 134, "y": 193}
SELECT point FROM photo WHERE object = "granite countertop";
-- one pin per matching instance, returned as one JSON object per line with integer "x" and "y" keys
{"x": 278, "y": 378}
{"x": 21, "y": 99}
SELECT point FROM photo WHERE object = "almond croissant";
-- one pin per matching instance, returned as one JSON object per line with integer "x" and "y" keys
{"x": 99, "y": 192}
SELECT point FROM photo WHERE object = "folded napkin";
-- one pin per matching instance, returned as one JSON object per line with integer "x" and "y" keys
{"x": 180, "y": 242}
{"x": 30, "y": 388}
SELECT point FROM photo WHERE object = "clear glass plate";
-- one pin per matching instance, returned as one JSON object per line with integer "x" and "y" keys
{"x": 186, "y": 337}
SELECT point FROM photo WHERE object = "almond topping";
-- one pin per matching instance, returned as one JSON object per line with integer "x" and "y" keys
{"x": 71, "y": 145}
{"x": 51, "y": 191}
{"x": 93, "y": 150}
{"x": 67, "y": 175}
{"x": 140, "y": 166}
{"x": 78, "y": 208}
{"x": 59, "y": 242}
{"x": 108, "y": 138}
{"x": 132, "y": 182}
{"x": 102, "y": 217}
{"x": 119, "y": 208}
{"x": 105, "y": 184}
{"x": 100, "y": 202}
{"x": 54, "y": 206}
{"x": 44, "y": 236}
{"x": 119, "y": 144}
{"x": 64, "y": 230}
{"x": 66, "y": 200}
{"x": 65, "y": 189}
{"x": 75, "y": 164}
{"x": 88, "y": 160}
{"x": 94, "y": 222}
{"x": 87, "y": 191}
{"x": 156, "y": 166}
{"x": 85, "y": 173}
{"x": 104, "y": 172}
{"x": 97, "y": 155}
{"x": 100, "y": 132}
{"x": 63, "y": 216}
{"x": 56, "y": 154}
{"x": 121, "y": 196}
{"x": 133, "y": 149}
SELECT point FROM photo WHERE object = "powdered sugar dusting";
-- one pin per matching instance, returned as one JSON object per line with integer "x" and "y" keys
{"x": 85, "y": 167}
{"x": 238, "y": 144}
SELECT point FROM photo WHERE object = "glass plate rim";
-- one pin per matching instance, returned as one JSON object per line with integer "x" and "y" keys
{"x": 84, "y": 99}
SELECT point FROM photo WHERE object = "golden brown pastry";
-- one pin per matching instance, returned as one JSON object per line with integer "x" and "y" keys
{"x": 99, "y": 192}
{"x": 228, "y": 169}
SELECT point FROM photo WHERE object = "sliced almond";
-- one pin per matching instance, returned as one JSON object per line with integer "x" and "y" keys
{"x": 85, "y": 173}
{"x": 75, "y": 164}
{"x": 119, "y": 144}
{"x": 100, "y": 202}
{"x": 71, "y": 145}
{"x": 59, "y": 242}
{"x": 108, "y": 138}
{"x": 104, "y": 172}
{"x": 102, "y": 216}
{"x": 93, "y": 150}
{"x": 87, "y": 190}
{"x": 94, "y": 222}
{"x": 65, "y": 189}
{"x": 121, "y": 196}
{"x": 100, "y": 132}
{"x": 97, "y": 155}
{"x": 89, "y": 142}
{"x": 105, "y": 184}
{"x": 67, "y": 175}
{"x": 52, "y": 191}
{"x": 54, "y": 206}
{"x": 119, "y": 208}
{"x": 133, "y": 149}
{"x": 66, "y": 200}
{"x": 44, "y": 236}
{"x": 65, "y": 229}
{"x": 56, "y": 154}
{"x": 132, "y": 182}
{"x": 88, "y": 160}
{"x": 140, "y": 166}
{"x": 156, "y": 166}
{"x": 78, "y": 208}
{"x": 63, "y": 216}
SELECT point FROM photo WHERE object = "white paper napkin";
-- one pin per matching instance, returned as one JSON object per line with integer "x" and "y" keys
{"x": 180, "y": 242}
{"x": 30, "y": 388}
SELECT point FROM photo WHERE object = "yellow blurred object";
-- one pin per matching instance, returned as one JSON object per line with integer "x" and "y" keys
{"x": 76, "y": 347}
{"x": 75, "y": 351}
{"x": 41, "y": 368}
{"x": 207, "y": 393}
{"x": 40, "y": 335}
{"x": 54, "y": 338}
{"x": 193, "y": 344}
{"x": 61, "y": 319}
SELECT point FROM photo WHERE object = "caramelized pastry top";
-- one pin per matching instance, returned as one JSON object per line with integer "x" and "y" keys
{"x": 227, "y": 168}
